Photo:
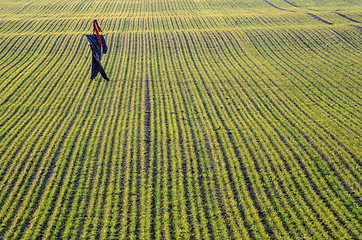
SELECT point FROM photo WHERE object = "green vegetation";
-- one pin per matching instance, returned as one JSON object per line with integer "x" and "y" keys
{"x": 223, "y": 119}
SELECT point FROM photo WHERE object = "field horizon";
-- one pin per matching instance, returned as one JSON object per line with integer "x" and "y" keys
{"x": 222, "y": 119}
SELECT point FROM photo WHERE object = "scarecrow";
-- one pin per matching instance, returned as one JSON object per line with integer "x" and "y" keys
{"x": 98, "y": 46}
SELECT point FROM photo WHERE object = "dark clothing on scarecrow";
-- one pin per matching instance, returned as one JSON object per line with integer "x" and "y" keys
{"x": 97, "y": 51}
{"x": 98, "y": 46}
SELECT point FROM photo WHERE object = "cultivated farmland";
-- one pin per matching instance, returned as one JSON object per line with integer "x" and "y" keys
{"x": 222, "y": 119}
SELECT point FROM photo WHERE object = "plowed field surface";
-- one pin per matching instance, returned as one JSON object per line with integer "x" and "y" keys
{"x": 222, "y": 119}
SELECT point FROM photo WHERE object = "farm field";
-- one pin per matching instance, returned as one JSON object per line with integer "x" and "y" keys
{"x": 222, "y": 119}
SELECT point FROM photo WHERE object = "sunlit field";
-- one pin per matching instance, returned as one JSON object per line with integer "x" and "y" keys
{"x": 222, "y": 119}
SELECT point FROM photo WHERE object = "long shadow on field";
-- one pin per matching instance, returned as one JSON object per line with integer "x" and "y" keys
{"x": 319, "y": 18}
{"x": 346, "y": 17}
{"x": 277, "y": 7}
{"x": 291, "y": 4}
